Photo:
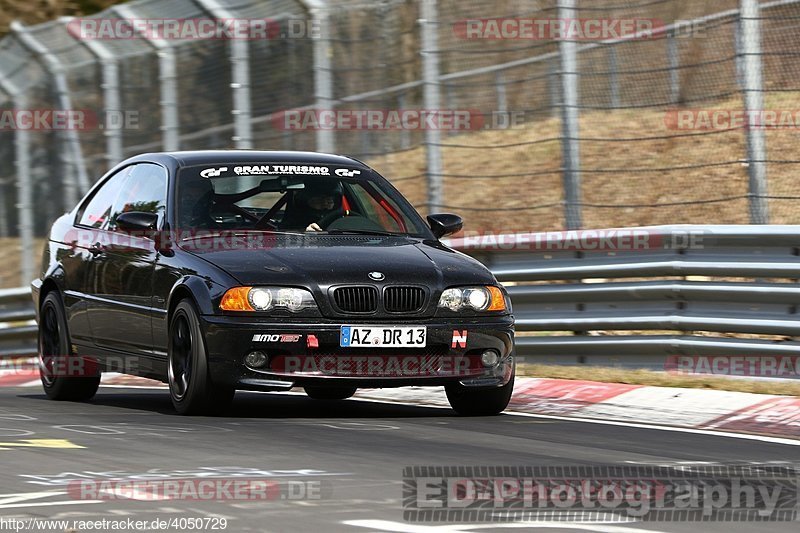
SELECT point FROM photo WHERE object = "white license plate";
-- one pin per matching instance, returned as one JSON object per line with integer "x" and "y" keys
{"x": 383, "y": 336}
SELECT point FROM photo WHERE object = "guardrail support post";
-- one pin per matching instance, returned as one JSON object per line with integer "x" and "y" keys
{"x": 754, "y": 107}
{"x": 570, "y": 142}
{"x": 429, "y": 28}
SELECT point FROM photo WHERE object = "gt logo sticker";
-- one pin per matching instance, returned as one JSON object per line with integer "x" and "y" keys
{"x": 345, "y": 173}
{"x": 283, "y": 337}
{"x": 213, "y": 172}
{"x": 459, "y": 339}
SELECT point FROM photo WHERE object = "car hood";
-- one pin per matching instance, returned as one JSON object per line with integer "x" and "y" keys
{"x": 322, "y": 261}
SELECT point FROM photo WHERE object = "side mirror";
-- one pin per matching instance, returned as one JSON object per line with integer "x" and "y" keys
{"x": 137, "y": 221}
{"x": 445, "y": 224}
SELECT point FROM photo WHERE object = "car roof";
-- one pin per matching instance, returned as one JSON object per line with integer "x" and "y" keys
{"x": 200, "y": 157}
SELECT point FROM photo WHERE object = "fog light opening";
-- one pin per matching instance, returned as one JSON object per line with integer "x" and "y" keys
{"x": 255, "y": 359}
{"x": 490, "y": 358}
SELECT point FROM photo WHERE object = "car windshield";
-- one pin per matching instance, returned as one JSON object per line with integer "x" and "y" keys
{"x": 292, "y": 198}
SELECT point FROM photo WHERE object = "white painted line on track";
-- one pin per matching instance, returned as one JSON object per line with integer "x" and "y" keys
{"x": 619, "y": 423}
{"x": 405, "y": 527}
{"x": 639, "y": 425}
{"x": 709, "y": 432}
{"x": 15, "y": 501}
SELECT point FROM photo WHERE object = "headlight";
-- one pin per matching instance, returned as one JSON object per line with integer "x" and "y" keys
{"x": 487, "y": 298}
{"x": 267, "y": 299}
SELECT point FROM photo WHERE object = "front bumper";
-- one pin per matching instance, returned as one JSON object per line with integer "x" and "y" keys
{"x": 308, "y": 353}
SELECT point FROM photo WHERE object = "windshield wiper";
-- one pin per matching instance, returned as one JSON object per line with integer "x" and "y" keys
{"x": 365, "y": 232}
{"x": 235, "y": 233}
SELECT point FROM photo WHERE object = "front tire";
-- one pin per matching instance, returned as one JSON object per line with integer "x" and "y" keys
{"x": 329, "y": 393}
{"x": 479, "y": 402}
{"x": 55, "y": 348}
{"x": 190, "y": 387}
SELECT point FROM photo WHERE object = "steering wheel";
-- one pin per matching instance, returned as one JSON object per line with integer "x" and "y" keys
{"x": 326, "y": 221}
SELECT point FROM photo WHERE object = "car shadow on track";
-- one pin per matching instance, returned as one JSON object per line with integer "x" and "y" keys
{"x": 255, "y": 405}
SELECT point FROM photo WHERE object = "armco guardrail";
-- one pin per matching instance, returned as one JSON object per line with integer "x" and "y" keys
{"x": 578, "y": 285}
{"x": 685, "y": 280}
{"x": 17, "y": 334}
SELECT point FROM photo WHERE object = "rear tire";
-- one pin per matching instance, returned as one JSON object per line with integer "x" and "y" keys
{"x": 55, "y": 347}
{"x": 329, "y": 393}
{"x": 190, "y": 387}
{"x": 479, "y": 402}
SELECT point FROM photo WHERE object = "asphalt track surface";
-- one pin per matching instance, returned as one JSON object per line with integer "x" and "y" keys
{"x": 355, "y": 449}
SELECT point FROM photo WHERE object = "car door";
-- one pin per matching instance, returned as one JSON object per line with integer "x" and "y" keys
{"x": 90, "y": 220}
{"x": 122, "y": 269}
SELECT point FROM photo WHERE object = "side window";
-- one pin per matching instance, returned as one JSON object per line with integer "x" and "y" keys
{"x": 97, "y": 211}
{"x": 144, "y": 190}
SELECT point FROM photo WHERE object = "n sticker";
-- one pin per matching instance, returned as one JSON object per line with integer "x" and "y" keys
{"x": 459, "y": 339}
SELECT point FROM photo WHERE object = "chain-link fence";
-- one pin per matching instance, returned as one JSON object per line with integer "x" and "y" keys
{"x": 540, "y": 120}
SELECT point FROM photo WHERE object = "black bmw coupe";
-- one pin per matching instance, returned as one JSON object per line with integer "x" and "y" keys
{"x": 217, "y": 271}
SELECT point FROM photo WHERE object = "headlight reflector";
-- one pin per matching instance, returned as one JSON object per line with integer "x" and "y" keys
{"x": 487, "y": 298}
{"x": 477, "y": 298}
{"x": 452, "y": 299}
{"x": 260, "y": 299}
{"x": 267, "y": 299}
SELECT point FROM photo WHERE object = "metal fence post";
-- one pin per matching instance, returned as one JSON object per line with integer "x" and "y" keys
{"x": 570, "y": 142}
{"x": 3, "y": 211}
{"x": 674, "y": 60}
{"x": 500, "y": 90}
{"x": 73, "y": 155}
{"x": 323, "y": 77}
{"x": 553, "y": 86}
{"x": 429, "y": 28}
{"x": 240, "y": 79}
{"x": 613, "y": 78}
{"x": 22, "y": 164}
{"x": 112, "y": 102}
{"x": 754, "y": 107}
{"x": 168, "y": 79}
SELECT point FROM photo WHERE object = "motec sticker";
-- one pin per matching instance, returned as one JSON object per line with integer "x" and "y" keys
{"x": 280, "y": 170}
{"x": 280, "y": 337}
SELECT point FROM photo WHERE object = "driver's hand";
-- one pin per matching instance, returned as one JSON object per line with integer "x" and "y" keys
{"x": 313, "y": 227}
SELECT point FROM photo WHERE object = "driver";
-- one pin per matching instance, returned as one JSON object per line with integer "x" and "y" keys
{"x": 318, "y": 201}
{"x": 196, "y": 204}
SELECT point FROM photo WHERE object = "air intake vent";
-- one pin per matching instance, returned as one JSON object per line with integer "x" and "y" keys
{"x": 356, "y": 299}
{"x": 403, "y": 299}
